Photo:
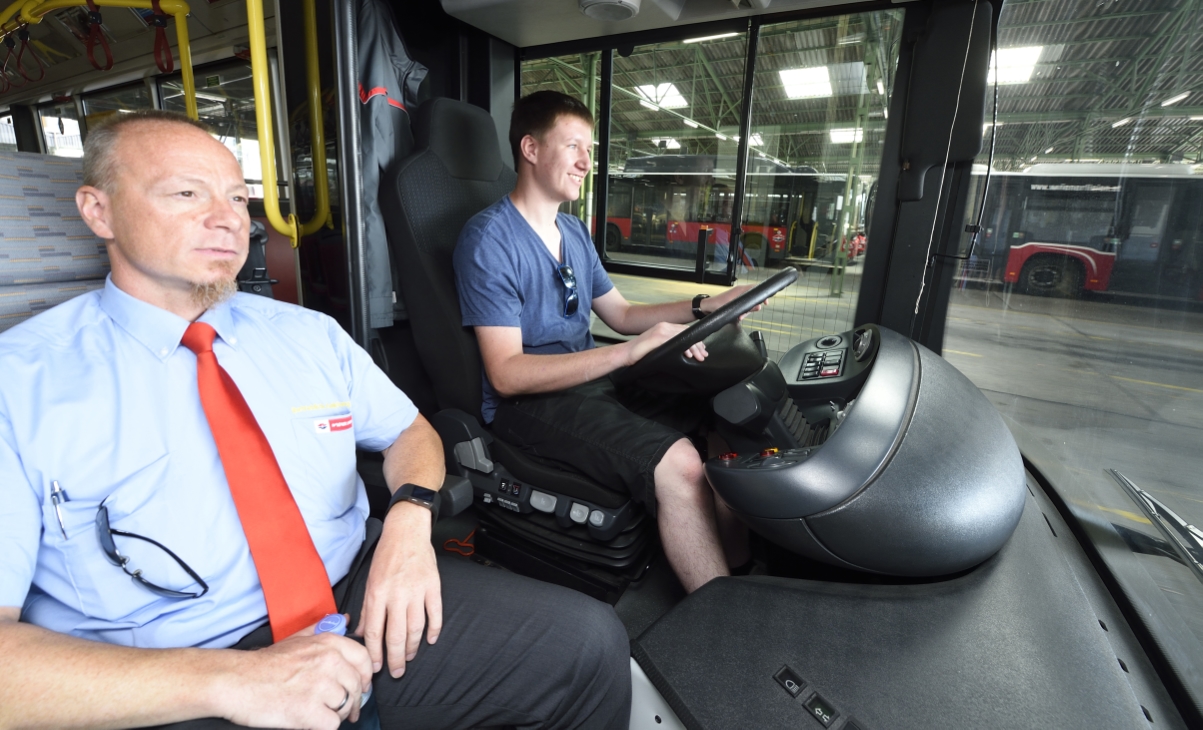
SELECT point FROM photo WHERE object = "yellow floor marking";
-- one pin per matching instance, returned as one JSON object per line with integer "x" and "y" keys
{"x": 1159, "y": 385}
{"x": 1125, "y": 514}
{"x": 958, "y": 352}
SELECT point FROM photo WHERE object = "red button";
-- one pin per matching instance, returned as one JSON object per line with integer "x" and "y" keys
{"x": 828, "y": 372}
{"x": 729, "y": 456}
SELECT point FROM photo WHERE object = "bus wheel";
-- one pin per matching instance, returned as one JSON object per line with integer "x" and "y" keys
{"x": 1052, "y": 276}
{"x": 613, "y": 237}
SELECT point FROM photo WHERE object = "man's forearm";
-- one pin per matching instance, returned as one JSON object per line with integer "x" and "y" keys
{"x": 58, "y": 681}
{"x": 416, "y": 457}
{"x": 524, "y": 374}
{"x": 638, "y": 318}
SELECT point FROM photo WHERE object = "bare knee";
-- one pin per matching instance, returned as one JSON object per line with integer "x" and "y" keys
{"x": 679, "y": 475}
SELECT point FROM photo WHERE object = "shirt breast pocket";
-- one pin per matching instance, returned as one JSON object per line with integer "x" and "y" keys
{"x": 323, "y": 478}
{"x": 135, "y": 503}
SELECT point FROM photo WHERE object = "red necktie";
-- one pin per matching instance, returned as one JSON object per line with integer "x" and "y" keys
{"x": 294, "y": 580}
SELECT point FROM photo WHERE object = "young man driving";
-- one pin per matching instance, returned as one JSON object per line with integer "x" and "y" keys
{"x": 528, "y": 278}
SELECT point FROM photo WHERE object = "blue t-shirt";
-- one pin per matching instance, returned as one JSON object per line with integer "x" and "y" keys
{"x": 506, "y": 277}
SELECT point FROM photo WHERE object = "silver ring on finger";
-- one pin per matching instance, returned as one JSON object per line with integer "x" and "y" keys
{"x": 346, "y": 697}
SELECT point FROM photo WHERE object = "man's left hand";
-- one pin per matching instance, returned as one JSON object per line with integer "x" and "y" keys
{"x": 403, "y": 592}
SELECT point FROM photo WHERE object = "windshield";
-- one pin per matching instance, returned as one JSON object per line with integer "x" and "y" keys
{"x": 1079, "y": 312}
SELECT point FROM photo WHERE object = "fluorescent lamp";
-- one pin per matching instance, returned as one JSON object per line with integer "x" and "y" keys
{"x": 806, "y": 83}
{"x": 755, "y": 140}
{"x": 1175, "y": 99}
{"x": 847, "y": 135}
{"x": 690, "y": 123}
{"x": 664, "y": 95}
{"x": 1121, "y": 122}
{"x": 648, "y": 105}
{"x": 720, "y": 135}
{"x": 1015, "y": 65}
{"x": 881, "y": 89}
{"x": 709, "y": 38}
{"x": 1050, "y": 149}
{"x": 1193, "y": 119}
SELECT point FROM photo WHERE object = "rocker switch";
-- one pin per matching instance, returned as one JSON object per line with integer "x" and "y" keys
{"x": 790, "y": 681}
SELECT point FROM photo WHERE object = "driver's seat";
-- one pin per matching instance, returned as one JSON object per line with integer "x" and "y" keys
{"x": 455, "y": 172}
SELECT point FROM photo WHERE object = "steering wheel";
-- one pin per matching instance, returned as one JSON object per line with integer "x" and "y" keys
{"x": 672, "y": 351}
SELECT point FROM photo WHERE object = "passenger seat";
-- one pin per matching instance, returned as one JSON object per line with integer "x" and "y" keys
{"x": 47, "y": 254}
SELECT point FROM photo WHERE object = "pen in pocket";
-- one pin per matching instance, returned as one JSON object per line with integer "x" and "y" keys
{"x": 58, "y": 495}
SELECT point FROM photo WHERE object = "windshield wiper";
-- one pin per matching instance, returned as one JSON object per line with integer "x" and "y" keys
{"x": 1183, "y": 537}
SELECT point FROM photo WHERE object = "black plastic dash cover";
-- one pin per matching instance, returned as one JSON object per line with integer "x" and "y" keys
{"x": 1012, "y": 644}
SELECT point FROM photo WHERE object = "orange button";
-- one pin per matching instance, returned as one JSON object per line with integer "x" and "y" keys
{"x": 768, "y": 452}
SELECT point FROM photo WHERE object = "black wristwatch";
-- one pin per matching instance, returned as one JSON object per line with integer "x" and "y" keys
{"x": 420, "y": 496}
{"x": 697, "y": 305}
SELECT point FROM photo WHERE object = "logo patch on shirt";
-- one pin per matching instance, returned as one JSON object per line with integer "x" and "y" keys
{"x": 331, "y": 425}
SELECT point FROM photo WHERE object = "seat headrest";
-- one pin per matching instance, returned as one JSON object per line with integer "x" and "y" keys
{"x": 463, "y": 136}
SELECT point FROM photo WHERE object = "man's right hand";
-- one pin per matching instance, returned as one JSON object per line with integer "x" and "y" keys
{"x": 298, "y": 683}
{"x": 657, "y": 335}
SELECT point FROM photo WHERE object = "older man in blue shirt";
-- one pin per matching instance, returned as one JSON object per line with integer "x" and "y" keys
{"x": 99, "y": 407}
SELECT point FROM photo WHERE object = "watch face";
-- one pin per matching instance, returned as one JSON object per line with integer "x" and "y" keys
{"x": 424, "y": 494}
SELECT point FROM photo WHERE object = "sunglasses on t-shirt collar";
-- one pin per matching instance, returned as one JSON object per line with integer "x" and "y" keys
{"x": 571, "y": 299}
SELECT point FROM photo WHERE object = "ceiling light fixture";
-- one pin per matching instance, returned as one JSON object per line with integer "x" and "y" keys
{"x": 610, "y": 9}
{"x": 669, "y": 143}
{"x": 847, "y": 135}
{"x": 1121, "y": 122}
{"x": 690, "y": 123}
{"x": 705, "y": 38}
{"x": 881, "y": 88}
{"x": 806, "y": 83}
{"x": 1050, "y": 149}
{"x": 1175, "y": 99}
{"x": 720, "y": 135}
{"x": 755, "y": 140}
{"x": 1015, "y": 65}
{"x": 664, "y": 95}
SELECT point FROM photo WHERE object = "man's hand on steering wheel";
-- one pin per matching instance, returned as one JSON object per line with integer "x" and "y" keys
{"x": 658, "y": 335}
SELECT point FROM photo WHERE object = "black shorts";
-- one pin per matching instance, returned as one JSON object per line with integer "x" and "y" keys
{"x": 615, "y": 436}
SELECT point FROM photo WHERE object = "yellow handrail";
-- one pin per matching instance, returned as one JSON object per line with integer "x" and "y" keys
{"x": 317, "y": 131}
{"x": 32, "y": 11}
{"x": 263, "y": 119}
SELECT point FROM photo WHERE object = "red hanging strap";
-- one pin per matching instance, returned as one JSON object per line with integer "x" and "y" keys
{"x": 95, "y": 37}
{"x": 163, "y": 57}
{"x": 12, "y": 81}
{"x": 23, "y": 34}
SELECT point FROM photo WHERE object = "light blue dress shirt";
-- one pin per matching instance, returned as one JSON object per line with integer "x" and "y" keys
{"x": 99, "y": 395}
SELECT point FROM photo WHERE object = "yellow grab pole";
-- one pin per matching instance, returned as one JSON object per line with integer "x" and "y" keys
{"x": 263, "y": 120}
{"x": 32, "y": 11}
{"x": 317, "y": 131}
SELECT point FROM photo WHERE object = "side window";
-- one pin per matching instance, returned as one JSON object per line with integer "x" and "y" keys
{"x": 8, "y": 134}
{"x": 60, "y": 129}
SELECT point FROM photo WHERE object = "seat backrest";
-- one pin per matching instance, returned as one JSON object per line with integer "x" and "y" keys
{"x": 47, "y": 254}
{"x": 455, "y": 172}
